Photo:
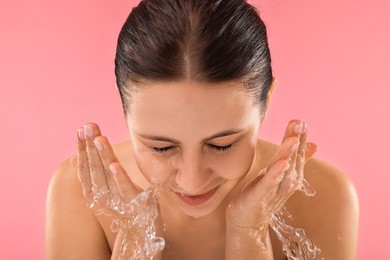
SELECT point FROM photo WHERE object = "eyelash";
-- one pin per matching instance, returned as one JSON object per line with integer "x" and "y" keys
{"x": 215, "y": 147}
{"x": 221, "y": 148}
{"x": 162, "y": 149}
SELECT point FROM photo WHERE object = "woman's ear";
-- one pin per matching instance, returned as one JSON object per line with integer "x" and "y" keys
{"x": 271, "y": 89}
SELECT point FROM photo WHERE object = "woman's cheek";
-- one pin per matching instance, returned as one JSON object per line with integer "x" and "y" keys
{"x": 155, "y": 169}
{"x": 237, "y": 165}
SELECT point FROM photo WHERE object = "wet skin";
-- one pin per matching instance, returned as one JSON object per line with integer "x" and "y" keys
{"x": 207, "y": 139}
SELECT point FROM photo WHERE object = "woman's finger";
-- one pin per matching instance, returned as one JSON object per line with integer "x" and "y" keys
{"x": 310, "y": 150}
{"x": 83, "y": 166}
{"x": 126, "y": 188}
{"x": 288, "y": 146}
{"x": 292, "y": 173}
{"x": 300, "y": 159}
{"x": 107, "y": 157}
{"x": 258, "y": 196}
{"x": 294, "y": 128}
{"x": 271, "y": 179}
{"x": 98, "y": 177}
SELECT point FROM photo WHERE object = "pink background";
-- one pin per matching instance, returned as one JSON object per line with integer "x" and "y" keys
{"x": 332, "y": 59}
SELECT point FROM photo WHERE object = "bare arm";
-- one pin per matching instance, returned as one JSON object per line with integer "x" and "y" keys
{"x": 72, "y": 230}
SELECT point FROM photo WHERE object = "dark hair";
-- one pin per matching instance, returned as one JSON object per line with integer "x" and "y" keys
{"x": 210, "y": 41}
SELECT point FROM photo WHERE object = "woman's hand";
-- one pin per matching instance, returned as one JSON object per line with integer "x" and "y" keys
{"x": 109, "y": 189}
{"x": 102, "y": 177}
{"x": 252, "y": 209}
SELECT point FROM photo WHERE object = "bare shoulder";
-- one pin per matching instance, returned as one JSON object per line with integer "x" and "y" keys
{"x": 335, "y": 196}
{"x": 72, "y": 230}
{"x": 330, "y": 218}
{"x": 330, "y": 183}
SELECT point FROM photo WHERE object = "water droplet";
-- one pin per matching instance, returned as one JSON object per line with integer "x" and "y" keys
{"x": 307, "y": 189}
{"x": 164, "y": 227}
{"x": 295, "y": 243}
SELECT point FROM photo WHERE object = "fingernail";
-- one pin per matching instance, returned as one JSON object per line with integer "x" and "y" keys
{"x": 298, "y": 128}
{"x": 88, "y": 131}
{"x": 294, "y": 147}
{"x": 113, "y": 169}
{"x": 98, "y": 145}
{"x": 80, "y": 133}
{"x": 304, "y": 128}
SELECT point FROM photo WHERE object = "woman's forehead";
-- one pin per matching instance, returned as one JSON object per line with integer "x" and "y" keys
{"x": 189, "y": 105}
{"x": 189, "y": 96}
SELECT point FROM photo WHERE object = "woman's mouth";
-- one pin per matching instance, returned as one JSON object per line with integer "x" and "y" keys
{"x": 196, "y": 199}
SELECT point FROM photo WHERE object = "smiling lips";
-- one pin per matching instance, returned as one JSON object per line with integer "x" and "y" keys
{"x": 198, "y": 199}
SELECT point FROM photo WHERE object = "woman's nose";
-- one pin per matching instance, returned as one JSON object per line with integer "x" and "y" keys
{"x": 192, "y": 176}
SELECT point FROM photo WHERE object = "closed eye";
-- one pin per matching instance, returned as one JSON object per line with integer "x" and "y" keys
{"x": 220, "y": 148}
{"x": 162, "y": 149}
{"x": 215, "y": 147}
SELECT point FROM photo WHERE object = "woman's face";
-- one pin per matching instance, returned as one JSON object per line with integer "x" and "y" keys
{"x": 198, "y": 139}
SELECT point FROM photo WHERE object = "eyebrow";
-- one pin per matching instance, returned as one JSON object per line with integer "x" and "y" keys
{"x": 171, "y": 140}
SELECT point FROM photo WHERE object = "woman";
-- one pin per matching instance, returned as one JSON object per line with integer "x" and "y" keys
{"x": 195, "y": 80}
